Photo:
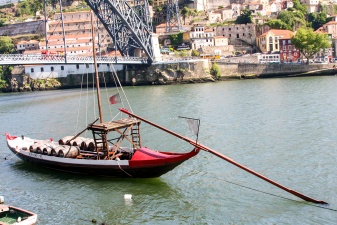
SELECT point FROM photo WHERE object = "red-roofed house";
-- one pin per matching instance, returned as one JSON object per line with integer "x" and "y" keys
{"x": 269, "y": 41}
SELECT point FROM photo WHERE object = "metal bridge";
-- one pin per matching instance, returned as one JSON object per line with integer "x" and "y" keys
{"x": 22, "y": 59}
{"x": 129, "y": 26}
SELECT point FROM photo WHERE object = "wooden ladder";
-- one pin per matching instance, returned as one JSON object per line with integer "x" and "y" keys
{"x": 100, "y": 139}
{"x": 135, "y": 133}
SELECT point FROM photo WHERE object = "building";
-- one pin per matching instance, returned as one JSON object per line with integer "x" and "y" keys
{"x": 27, "y": 45}
{"x": 312, "y": 5}
{"x": 231, "y": 12}
{"x": 288, "y": 52}
{"x": 201, "y": 37}
{"x": 77, "y": 29}
{"x": 62, "y": 70}
{"x": 243, "y": 32}
{"x": 268, "y": 42}
{"x": 220, "y": 41}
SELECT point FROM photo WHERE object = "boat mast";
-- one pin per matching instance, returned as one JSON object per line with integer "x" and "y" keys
{"x": 45, "y": 23}
{"x": 64, "y": 34}
{"x": 96, "y": 71}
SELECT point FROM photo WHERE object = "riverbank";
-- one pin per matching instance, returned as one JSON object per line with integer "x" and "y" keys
{"x": 174, "y": 72}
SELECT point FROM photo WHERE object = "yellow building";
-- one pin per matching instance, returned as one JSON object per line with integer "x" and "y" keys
{"x": 269, "y": 41}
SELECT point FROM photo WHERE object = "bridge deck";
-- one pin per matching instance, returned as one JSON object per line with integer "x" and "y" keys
{"x": 22, "y": 59}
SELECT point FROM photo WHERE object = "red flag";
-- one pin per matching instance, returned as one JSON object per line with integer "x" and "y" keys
{"x": 115, "y": 99}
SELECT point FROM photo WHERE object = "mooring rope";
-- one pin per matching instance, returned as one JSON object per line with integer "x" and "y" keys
{"x": 10, "y": 158}
{"x": 264, "y": 192}
{"x": 121, "y": 168}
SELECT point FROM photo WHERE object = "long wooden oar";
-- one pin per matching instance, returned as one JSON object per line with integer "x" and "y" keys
{"x": 205, "y": 148}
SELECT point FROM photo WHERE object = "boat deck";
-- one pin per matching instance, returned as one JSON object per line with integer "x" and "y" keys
{"x": 115, "y": 125}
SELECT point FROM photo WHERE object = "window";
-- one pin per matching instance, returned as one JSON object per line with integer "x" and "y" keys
{"x": 42, "y": 69}
{"x": 32, "y": 70}
{"x": 77, "y": 66}
{"x": 62, "y": 67}
{"x": 52, "y": 68}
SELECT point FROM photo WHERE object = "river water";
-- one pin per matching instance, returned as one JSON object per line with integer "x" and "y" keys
{"x": 283, "y": 128}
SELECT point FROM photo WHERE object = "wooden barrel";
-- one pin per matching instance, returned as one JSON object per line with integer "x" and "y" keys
{"x": 48, "y": 149}
{"x": 77, "y": 141}
{"x": 88, "y": 144}
{"x": 39, "y": 148}
{"x": 55, "y": 150}
{"x": 69, "y": 152}
{"x": 33, "y": 147}
{"x": 64, "y": 140}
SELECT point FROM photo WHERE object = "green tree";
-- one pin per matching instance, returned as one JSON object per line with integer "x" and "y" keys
{"x": 5, "y": 72}
{"x": 309, "y": 43}
{"x": 317, "y": 19}
{"x": 176, "y": 39}
{"x": 185, "y": 12}
{"x": 185, "y": 53}
{"x": 195, "y": 52}
{"x": 245, "y": 17}
{"x": 278, "y": 24}
{"x": 300, "y": 6}
{"x": 215, "y": 70}
{"x": 6, "y": 45}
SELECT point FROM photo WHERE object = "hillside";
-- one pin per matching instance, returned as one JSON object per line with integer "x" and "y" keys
{"x": 30, "y": 10}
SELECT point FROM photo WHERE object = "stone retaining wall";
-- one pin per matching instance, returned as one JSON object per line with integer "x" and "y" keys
{"x": 175, "y": 72}
{"x": 255, "y": 70}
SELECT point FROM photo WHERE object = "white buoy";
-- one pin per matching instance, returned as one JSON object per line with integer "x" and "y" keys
{"x": 127, "y": 197}
{"x": 2, "y": 199}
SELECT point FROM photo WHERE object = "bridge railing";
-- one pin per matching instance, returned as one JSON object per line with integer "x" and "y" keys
{"x": 18, "y": 59}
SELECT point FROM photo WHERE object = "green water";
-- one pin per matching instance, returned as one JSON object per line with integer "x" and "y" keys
{"x": 282, "y": 128}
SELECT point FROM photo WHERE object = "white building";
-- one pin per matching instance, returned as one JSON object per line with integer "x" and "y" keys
{"x": 62, "y": 70}
{"x": 201, "y": 37}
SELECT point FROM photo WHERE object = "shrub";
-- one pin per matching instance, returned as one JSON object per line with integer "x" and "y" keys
{"x": 215, "y": 70}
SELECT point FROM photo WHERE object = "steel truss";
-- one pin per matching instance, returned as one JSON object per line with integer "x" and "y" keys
{"x": 130, "y": 27}
{"x": 173, "y": 22}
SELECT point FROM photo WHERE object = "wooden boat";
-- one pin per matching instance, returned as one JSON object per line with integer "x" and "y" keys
{"x": 14, "y": 215}
{"x": 112, "y": 160}
{"x": 106, "y": 156}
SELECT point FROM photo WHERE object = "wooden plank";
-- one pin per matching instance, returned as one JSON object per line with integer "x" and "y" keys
{"x": 114, "y": 125}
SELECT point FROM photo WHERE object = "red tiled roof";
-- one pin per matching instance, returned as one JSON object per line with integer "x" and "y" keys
{"x": 283, "y": 33}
